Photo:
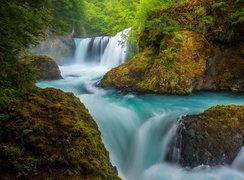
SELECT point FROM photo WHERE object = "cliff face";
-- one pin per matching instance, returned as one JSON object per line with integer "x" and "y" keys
{"x": 60, "y": 48}
{"x": 49, "y": 134}
{"x": 197, "y": 45}
{"x": 213, "y": 137}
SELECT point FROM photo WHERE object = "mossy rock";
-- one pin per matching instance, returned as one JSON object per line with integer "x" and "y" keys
{"x": 44, "y": 67}
{"x": 215, "y": 19}
{"x": 182, "y": 59}
{"x": 213, "y": 137}
{"x": 195, "y": 45}
{"x": 50, "y": 135}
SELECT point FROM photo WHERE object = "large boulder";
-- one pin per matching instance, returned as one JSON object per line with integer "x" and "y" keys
{"x": 214, "y": 137}
{"x": 195, "y": 65}
{"x": 50, "y": 134}
{"x": 193, "y": 46}
{"x": 44, "y": 67}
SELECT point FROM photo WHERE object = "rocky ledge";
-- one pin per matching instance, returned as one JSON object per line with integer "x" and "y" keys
{"x": 44, "y": 67}
{"x": 49, "y": 134}
{"x": 214, "y": 137}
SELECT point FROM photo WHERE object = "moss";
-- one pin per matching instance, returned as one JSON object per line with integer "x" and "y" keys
{"x": 217, "y": 138}
{"x": 189, "y": 91}
{"x": 52, "y": 135}
{"x": 43, "y": 66}
{"x": 182, "y": 59}
{"x": 194, "y": 54}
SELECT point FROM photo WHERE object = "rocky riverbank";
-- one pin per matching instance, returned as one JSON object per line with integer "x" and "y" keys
{"x": 49, "y": 134}
{"x": 214, "y": 137}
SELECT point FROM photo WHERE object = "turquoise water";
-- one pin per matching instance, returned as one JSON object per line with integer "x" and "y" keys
{"x": 136, "y": 129}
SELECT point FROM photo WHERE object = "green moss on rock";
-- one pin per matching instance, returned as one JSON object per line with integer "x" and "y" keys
{"x": 44, "y": 67}
{"x": 213, "y": 137}
{"x": 194, "y": 46}
{"x": 182, "y": 59}
{"x": 50, "y": 135}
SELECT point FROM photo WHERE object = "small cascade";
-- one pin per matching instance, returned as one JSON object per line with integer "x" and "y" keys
{"x": 115, "y": 53}
{"x": 239, "y": 161}
{"x": 104, "y": 51}
{"x": 81, "y": 50}
{"x": 173, "y": 153}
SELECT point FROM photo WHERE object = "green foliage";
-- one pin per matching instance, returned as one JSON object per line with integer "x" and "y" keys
{"x": 144, "y": 18}
{"x": 189, "y": 91}
{"x": 219, "y": 5}
{"x": 20, "y": 26}
{"x": 65, "y": 14}
{"x": 9, "y": 158}
{"x": 178, "y": 38}
{"x": 238, "y": 16}
{"x": 12, "y": 161}
{"x": 107, "y": 17}
{"x": 164, "y": 25}
{"x": 23, "y": 24}
{"x": 15, "y": 79}
{"x": 170, "y": 55}
{"x": 205, "y": 21}
{"x": 29, "y": 164}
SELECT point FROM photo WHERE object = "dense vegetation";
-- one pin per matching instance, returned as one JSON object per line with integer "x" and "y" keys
{"x": 186, "y": 46}
{"x": 44, "y": 134}
{"x": 23, "y": 24}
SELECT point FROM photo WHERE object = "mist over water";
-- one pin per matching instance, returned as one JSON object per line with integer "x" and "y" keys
{"x": 135, "y": 128}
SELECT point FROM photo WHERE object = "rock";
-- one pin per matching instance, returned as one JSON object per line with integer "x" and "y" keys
{"x": 214, "y": 137}
{"x": 173, "y": 71}
{"x": 44, "y": 67}
{"x": 204, "y": 53}
{"x": 60, "y": 48}
{"x": 50, "y": 134}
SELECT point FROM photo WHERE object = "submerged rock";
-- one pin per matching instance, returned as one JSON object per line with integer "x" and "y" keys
{"x": 214, "y": 137}
{"x": 49, "y": 134}
{"x": 44, "y": 67}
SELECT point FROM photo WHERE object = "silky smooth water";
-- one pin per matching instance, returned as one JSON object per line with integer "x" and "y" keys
{"x": 136, "y": 129}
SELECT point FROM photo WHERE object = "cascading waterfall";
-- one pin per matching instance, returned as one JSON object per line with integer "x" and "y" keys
{"x": 81, "y": 53}
{"x": 104, "y": 51}
{"x": 138, "y": 129}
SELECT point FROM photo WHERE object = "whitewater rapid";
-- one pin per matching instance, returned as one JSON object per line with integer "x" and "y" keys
{"x": 136, "y": 129}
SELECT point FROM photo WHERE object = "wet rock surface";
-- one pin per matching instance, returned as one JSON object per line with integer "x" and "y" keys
{"x": 214, "y": 137}
{"x": 44, "y": 67}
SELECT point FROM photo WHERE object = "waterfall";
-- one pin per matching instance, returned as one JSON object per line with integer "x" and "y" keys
{"x": 239, "y": 161}
{"x": 103, "y": 51}
{"x": 81, "y": 49}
